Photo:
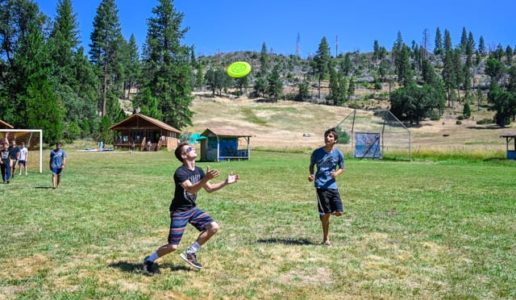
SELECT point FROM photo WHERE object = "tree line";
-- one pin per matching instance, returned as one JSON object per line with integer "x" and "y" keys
{"x": 47, "y": 80}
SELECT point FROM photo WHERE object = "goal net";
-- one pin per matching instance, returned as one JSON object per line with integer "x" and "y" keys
{"x": 33, "y": 139}
{"x": 376, "y": 134}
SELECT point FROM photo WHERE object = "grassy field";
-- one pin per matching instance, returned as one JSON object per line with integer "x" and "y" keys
{"x": 422, "y": 229}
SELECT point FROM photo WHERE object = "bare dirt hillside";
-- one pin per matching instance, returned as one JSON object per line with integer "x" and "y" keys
{"x": 289, "y": 124}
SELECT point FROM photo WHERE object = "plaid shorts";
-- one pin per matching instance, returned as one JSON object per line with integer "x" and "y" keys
{"x": 179, "y": 220}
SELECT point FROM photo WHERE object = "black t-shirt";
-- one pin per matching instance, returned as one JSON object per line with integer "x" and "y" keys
{"x": 13, "y": 152}
{"x": 184, "y": 200}
{"x": 4, "y": 156}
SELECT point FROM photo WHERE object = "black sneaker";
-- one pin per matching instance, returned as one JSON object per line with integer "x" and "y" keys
{"x": 147, "y": 267}
{"x": 191, "y": 259}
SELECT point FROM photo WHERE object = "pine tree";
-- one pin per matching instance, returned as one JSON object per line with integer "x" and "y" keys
{"x": 447, "y": 41}
{"x": 86, "y": 88}
{"x": 40, "y": 107}
{"x": 105, "y": 52}
{"x": 132, "y": 65}
{"x": 403, "y": 69}
{"x": 64, "y": 40}
{"x": 167, "y": 70}
{"x": 346, "y": 66}
{"x": 466, "y": 112}
{"x": 463, "y": 39}
{"x": 351, "y": 88}
{"x": 481, "y": 46}
{"x": 321, "y": 62}
{"x": 264, "y": 60}
{"x": 438, "y": 48}
{"x": 508, "y": 55}
{"x": 73, "y": 90}
{"x": 275, "y": 85}
{"x": 18, "y": 19}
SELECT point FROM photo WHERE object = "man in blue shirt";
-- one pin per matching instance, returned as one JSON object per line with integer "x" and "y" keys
{"x": 57, "y": 164}
{"x": 330, "y": 164}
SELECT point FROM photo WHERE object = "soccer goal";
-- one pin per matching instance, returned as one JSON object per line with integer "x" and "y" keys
{"x": 33, "y": 139}
{"x": 376, "y": 134}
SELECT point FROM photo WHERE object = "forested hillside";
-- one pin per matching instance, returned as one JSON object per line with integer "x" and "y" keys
{"x": 48, "y": 81}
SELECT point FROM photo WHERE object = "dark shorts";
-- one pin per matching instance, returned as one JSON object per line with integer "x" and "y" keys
{"x": 179, "y": 220}
{"x": 328, "y": 201}
{"x": 56, "y": 171}
{"x": 22, "y": 162}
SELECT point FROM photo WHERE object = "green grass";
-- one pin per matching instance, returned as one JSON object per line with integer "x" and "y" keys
{"x": 422, "y": 229}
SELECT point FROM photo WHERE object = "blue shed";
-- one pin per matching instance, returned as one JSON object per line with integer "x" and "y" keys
{"x": 225, "y": 144}
{"x": 511, "y": 154}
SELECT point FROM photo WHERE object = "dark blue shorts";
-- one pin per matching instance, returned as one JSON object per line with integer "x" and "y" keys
{"x": 328, "y": 201}
{"x": 56, "y": 171}
{"x": 179, "y": 220}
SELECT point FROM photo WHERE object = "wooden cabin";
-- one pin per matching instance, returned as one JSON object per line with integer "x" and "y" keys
{"x": 225, "y": 144}
{"x": 141, "y": 132}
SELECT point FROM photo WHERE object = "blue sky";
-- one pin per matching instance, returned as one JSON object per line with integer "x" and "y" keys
{"x": 230, "y": 25}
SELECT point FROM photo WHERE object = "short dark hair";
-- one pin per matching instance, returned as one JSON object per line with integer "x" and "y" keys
{"x": 332, "y": 131}
{"x": 178, "y": 151}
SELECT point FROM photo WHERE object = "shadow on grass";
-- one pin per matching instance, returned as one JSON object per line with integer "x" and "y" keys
{"x": 43, "y": 187}
{"x": 131, "y": 267}
{"x": 286, "y": 241}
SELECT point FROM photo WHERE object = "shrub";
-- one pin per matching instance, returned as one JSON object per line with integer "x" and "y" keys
{"x": 485, "y": 121}
{"x": 343, "y": 136}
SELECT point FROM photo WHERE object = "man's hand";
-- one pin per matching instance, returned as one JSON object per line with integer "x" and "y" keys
{"x": 211, "y": 173}
{"x": 232, "y": 178}
{"x": 311, "y": 177}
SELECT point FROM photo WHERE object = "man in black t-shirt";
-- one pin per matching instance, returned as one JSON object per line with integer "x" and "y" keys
{"x": 188, "y": 180}
{"x": 14, "y": 154}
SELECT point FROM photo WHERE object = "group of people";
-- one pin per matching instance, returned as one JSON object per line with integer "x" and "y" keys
{"x": 190, "y": 179}
{"x": 12, "y": 156}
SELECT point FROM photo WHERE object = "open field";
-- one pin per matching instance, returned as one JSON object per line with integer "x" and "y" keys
{"x": 288, "y": 124}
{"x": 422, "y": 229}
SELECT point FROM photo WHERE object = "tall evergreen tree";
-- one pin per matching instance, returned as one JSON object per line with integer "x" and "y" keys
{"x": 40, "y": 107}
{"x": 264, "y": 60}
{"x": 463, "y": 39}
{"x": 346, "y": 66}
{"x": 64, "y": 40}
{"x": 18, "y": 19}
{"x": 72, "y": 88}
{"x": 447, "y": 41}
{"x": 403, "y": 68}
{"x": 508, "y": 55}
{"x": 105, "y": 52}
{"x": 167, "y": 70}
{"x": 321, "y": 63}
{"x": 131, "y": 64}
{"x": 438, "y": 48}
{"x": 275, "y": 85}
{"x": 481, "y": 46}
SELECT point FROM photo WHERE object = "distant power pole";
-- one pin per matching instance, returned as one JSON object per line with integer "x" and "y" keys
{"x": 298, "y": 45}
{"x": 336, "y": 45}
